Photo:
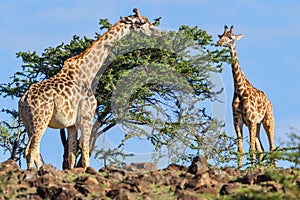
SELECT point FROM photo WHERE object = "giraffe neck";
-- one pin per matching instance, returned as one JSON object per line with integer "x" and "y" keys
{"x": 240, "y": 81}
{"x": 86, "y": 65}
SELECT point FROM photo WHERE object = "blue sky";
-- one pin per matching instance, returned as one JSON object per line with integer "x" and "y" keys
{"x": 268, "y": 52}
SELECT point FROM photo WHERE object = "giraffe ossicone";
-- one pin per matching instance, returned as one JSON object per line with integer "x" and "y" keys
{"x": 250, "y": 106}
{"x": 66, "y": 99}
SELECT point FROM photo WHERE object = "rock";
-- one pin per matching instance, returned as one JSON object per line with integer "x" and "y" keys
{"x": 30, "y": 177}
{"x": 219, "y": 175}
{"x": 207, "y": 189}
{"x": 229, "y": 188}
{"x": 111, "y": 169}
{"x": 251, "y": 177}
{"x": 271, "y": 186}
{"x": 89, "y": 189}
{"x": 146, "y": 196}
{"x": 68, "y": 192}
{"x": 49, "y": 175}
{"x": 31, "y": 197}
{"x": 49, "y": 169}
{"x": 48, "y": 192}
{"x": 175, "y": 167}
{"x": 83, "y": 189}
{"x": 186, "y": 195}
{"x": 198, "y": 181}
{"x": 172, "y": 178}
{"x": 232, "y": 171}
{"x": 131, "y": 188}
{"x": 175, "y": 188}
{"x": 56, "y": 192}
{"x": 9, "y": 166}
{"x": 91, "y": 170}
{"x": 45, "y": 176}
{"x": 113, "y": 193}
{"x": 103, "y": 181}
{"x": 297, "y": 181}
{"x": 141, "y": 167}
{"x": 234, "y": 188}
{"x": 139, "y": 183}
{"x": 124, "y": 195}
{"x": 262, "y": 178}
{"x": 147, "y": 178}
{"x": 87, "y": 180}
{"x": 47, "y": 179}
{"x": 116, "y": 183}
{"x": 120, "y": 194}
{"x": 116, "y": 176}
{"x": 78, "y": 170}
{"x": 88, "y": 184}
{"x": 199, "y": 165}
{"x": 158, "y": 178}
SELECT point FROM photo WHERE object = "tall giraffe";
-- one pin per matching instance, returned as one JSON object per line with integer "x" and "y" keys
{"x": 250, "y": 106}
{"x": 66, "y": 100}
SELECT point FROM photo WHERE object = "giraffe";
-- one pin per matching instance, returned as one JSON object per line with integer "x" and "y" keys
{"x": 250, "y": 106}
{"x": 66, "y": 100}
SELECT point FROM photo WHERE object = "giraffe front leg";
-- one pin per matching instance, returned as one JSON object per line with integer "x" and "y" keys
{"x": 258, "y": 145}
{"x": 86, "y": 115}
{"x": 252, "y": 131}
{"x": 85, "y": 143}
{"x": 72, "y": 146}
{"x": 239, "y": 132}
{"x": 238, "y": 126}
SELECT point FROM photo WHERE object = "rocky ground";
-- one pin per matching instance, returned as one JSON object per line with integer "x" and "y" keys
{"x": 144, "y": 181}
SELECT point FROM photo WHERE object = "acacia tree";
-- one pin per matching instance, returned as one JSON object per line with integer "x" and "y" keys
{"x": 153, "y": 88}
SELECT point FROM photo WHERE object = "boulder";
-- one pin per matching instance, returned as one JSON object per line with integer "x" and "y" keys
{"x": 9, "y": 166}
{"x": 199, "y": 165}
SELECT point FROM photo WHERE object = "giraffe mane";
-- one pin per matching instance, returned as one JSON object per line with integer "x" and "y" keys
{"x": 88, "y": 49}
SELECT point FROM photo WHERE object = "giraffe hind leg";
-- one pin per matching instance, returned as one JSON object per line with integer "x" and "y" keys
{"x": 268, "y": 124}
{"x": 32, "y": 152}
{"x": 28, "y": 155}
{"x": 35, "y": 130}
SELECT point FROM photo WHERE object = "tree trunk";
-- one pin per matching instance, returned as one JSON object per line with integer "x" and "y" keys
{"x": 65, "y": 164}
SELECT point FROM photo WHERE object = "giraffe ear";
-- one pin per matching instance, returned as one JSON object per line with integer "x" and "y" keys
{"x": 137, "y": 13}
{"x": 237, "y": 37}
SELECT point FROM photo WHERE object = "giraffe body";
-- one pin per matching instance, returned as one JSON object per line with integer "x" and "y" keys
{"x": 250, "y": 106}
{"x": 66, "y": 100}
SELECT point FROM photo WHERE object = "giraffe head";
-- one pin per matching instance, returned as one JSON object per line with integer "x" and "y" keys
{"x": 140, "y": 24}
{"x": 227, "y": 38}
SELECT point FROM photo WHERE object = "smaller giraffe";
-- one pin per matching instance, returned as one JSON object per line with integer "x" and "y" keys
{"x": 250, "y": 106}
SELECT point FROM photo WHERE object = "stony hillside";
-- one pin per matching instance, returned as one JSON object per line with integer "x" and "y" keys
{"x": 144, "y": 181}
